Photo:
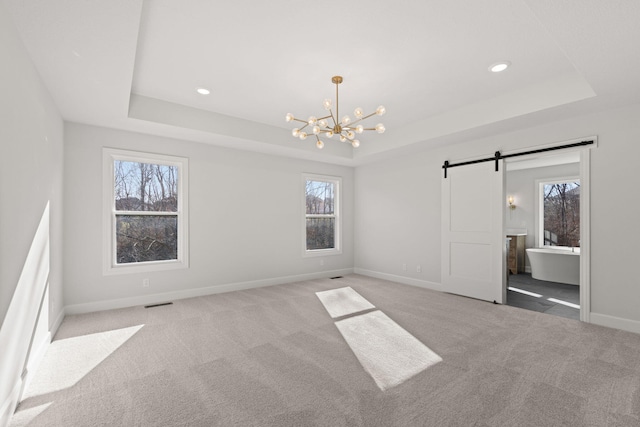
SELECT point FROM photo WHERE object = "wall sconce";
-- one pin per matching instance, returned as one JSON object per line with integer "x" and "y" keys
{"x": 511, "y": 205}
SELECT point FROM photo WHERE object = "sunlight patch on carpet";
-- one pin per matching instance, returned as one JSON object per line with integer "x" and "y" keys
{"x": 390, "y": 354}
{"x": 343, "y": 302}
{"x": 69, "y": 360}
{"x": 24, "y": 417}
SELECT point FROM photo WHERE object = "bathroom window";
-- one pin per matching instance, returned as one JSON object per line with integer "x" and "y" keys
{"x": 559, "y": 203}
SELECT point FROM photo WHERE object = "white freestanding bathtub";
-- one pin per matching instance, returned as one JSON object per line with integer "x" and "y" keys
{"x": 560, "y": 265}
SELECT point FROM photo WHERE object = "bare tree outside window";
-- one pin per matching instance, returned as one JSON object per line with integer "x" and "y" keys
{"x": 320, "y": 214}
{"x": 146, "y": 205}
{"x": 562, "y": 214}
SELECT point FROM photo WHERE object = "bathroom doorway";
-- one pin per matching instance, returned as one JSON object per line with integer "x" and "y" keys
{"x": 542, "y": 289}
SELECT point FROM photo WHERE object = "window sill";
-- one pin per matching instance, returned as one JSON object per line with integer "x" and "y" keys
{"x": 147, "y": 267}
{"x": 321, "y": 252}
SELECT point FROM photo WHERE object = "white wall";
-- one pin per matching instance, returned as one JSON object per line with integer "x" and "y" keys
{"x": 30, "y": 210}
{"x": 522, "y": 185}
{"x": 246, "y": 213}
{"x": 397, "y": 208}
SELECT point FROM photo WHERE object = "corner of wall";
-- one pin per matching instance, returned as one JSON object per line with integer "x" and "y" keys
{"x": 400, "y": 279}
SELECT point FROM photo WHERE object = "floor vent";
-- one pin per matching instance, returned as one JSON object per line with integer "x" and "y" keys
{"x": 337, "y": 277}
{"x": 158, "y": 305}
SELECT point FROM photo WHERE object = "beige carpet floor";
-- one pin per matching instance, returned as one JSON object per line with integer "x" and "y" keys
{"x": 274, "y": 357}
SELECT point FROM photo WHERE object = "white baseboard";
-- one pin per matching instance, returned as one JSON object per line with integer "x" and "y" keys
{"x": 56, "y": 324}
{"x": 37, "y": 354}
{"x": 615, "y": 322}
{"x": 10, "y": 404}
{"x": 399, "y": 279}
{"x": 197, "y": 292}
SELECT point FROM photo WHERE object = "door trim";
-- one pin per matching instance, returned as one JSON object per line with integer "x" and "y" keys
{"x": 585, "y": 224}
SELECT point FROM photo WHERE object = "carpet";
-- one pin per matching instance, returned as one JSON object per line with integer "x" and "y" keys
{"x": 273, "y": 357}
{"x": 390, "y": 354}
{"x": 343, "y": 302}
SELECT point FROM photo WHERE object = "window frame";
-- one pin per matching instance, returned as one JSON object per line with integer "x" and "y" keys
{"x": 110, "y": 266}
{"x": 539, "y": 209}
{"x": 337, "y": 215}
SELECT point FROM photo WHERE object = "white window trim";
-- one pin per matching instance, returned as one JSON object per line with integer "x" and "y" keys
{"x": 109, "y": 155}
{"x": 337, "y": 181}
{"x": 539, "y": 208}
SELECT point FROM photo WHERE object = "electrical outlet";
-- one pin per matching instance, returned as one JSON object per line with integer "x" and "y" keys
{"x": 419, "y": 269}
{"x": 145, "y": 283}
{"x": 404, "y": 267}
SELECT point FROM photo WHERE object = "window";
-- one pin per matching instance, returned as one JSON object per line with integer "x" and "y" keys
{"x": 559, "y": 223}
{"x": 322, "y": 215}
{"x": 145, "y": 211}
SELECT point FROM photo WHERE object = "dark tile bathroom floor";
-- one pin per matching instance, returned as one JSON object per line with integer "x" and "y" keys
{"x": 558, "y": 291}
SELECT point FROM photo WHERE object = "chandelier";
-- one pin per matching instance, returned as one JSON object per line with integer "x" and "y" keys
{"x": 328, "y": 126}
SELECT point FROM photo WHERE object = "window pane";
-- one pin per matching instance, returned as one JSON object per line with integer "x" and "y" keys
{"x": 145, "y": 187}
{"x": 320, "y": 197}
{"x": 320, "y": 233}
{"x": 146, "y": 238}
{"x": 562, "y": 214}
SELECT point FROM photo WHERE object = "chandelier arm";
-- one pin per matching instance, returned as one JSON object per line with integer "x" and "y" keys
{"x": 363, "y": 118}
{"x": 353, "y": 128}
{"x": 301, "y": 121}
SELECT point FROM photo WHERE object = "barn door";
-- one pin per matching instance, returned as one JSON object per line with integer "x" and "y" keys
{"x": 473, "y": 241}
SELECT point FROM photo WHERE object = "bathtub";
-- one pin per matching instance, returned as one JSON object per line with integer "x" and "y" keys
{"x": 560, "y": 265}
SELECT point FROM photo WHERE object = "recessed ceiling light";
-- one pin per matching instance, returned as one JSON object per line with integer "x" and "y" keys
{"x": 499, "y": 66}
{"x": 203, "y": 91}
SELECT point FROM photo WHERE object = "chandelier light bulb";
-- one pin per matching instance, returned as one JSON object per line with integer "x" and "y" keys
{"x": 289, "y": 117}
{"x": 329, "y": 134}
{"x": 326, "y": 104}
{"x": 346, "y": 120}
{"x": 380, "y": 128}
{"x": 381, "y": 110}
{"x": 342, "y": 138}
{"x": 295, "y": 132}
{"x": 323, "y": 123}
{"x": 316, "y": 130}
{"x": 358, "y": 113}
{"x": 320, "y": 145}
{"x": 359, "y": 129}
{"x": 350, "y": 134}
{"x": 355, "y": 143}
{"x": 312, "y": 120}
{"x": 303, "y": 135}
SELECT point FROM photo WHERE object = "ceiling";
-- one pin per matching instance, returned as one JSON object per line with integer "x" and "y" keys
{"x": 135, "y": 65}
